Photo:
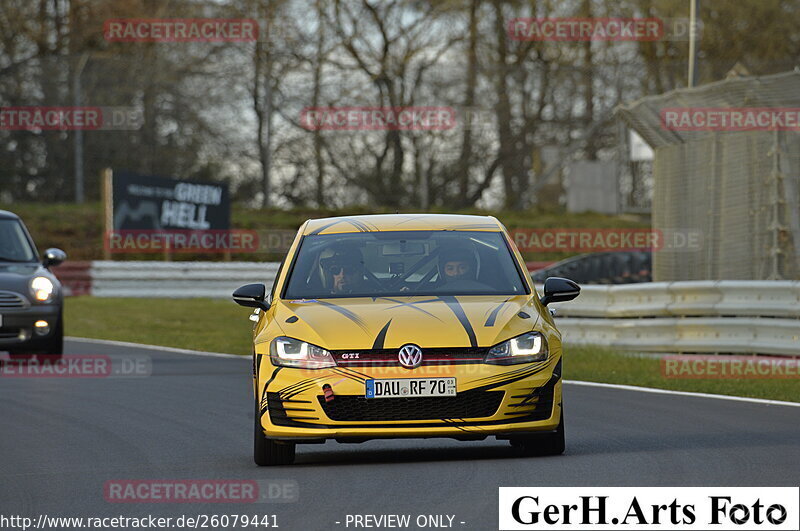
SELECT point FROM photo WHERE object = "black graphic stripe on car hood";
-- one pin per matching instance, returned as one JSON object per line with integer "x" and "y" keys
{"x": 493, "y": 315}
{"x": 459, "y": 312}
{"x": 347, "y": 313}
{"x": 381, "y": 337}
{"x": 411, "y": 305}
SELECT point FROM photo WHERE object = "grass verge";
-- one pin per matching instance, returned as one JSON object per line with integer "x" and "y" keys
{"x": 596, "y": 364}
{"x": 212, "y": 325}
{"x": 216, "y": 325}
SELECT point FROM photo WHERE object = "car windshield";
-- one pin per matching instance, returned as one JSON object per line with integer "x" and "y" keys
{"x": 404, "y": 263}
{"x": 14, "y": 243}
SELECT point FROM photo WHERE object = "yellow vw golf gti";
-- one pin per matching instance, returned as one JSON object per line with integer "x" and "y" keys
{"x": 406, "y": 325}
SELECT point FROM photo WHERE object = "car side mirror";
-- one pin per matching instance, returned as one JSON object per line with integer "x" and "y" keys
{"x": 557, "y": 289}
{"x": 53, "y": 257}
{"x": 252, "y": 296}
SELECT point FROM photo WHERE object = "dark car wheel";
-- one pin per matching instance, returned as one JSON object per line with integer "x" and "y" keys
{"x": 541, "y": 444}
{"x": 267, "y": 452}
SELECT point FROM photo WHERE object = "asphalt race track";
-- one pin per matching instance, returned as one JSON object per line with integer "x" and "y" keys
{"x": 63, "y": 439}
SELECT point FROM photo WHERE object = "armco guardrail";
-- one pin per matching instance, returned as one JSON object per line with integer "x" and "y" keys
{"x": 760, "y": 317}
{"x": 701, "y": 334}
{"x": 75, "y": 277}
{"x": 176, "y": 279}
{"x": 762, "y": 298}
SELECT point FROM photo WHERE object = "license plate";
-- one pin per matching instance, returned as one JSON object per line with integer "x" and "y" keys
{"x": 410, "y": 387}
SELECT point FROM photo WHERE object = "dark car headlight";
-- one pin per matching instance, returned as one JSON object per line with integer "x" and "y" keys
{"x": 289, "y": 352}
{"x": 42, "y": 289}
{"x": 527, "y": 348}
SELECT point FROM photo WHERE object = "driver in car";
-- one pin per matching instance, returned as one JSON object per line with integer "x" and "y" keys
{"x": 345, "y": 271}
{"x": 459, "y": 270}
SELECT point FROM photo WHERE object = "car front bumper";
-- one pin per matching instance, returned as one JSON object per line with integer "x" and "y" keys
{"x": 491, "y": 400}
{"x": 17, "y": 326}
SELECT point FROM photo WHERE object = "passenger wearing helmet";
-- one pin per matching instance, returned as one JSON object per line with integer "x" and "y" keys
{"x": 344, "y": 271}
{"x": 458, "y": 269}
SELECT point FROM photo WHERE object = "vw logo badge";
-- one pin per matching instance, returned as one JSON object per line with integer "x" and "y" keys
{"x": 410, "y": 356}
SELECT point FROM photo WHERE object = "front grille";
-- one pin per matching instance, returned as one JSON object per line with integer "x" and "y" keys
{"x": 10, "y": 300}
{"x": 466, "y": 405}
{"x": 388, "y": 356}
{"x": 9, "y": 333}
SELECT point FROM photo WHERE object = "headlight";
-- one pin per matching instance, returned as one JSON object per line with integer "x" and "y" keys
{"x": 288, "y": 352}
{"x": 526, "y": 348}
{"x": 42, "y": 289}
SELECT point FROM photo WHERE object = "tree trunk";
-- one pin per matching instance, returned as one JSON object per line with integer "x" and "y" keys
{"x": 262, "y": 104}
{"x": 507, "y": 151}
{"x": 465, "y": 159}
{"x": 315, "y": 102}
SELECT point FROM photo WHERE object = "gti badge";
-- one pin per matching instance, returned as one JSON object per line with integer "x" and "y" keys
{"x": 410, "y": 356}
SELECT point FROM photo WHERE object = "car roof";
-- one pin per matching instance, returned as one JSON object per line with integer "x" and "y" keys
{"x": 5, "y": 214}
{"x": 396, "y": 222}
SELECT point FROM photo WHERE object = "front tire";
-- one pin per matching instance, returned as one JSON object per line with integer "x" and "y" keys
{"x": 267, "y": 452}
{"x": 542, "y": 444}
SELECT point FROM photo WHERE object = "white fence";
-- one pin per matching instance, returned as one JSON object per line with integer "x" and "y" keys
{"x": 177, "y": 279}
{"x": 760, "y": 317}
